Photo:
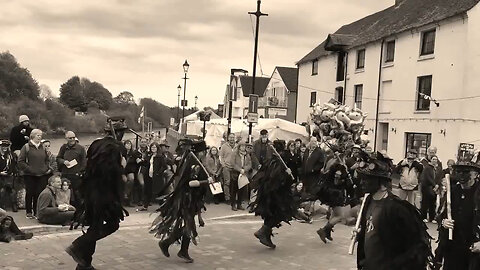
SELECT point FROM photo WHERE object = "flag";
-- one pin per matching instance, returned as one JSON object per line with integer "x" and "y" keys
{"x": 141, "y": 115}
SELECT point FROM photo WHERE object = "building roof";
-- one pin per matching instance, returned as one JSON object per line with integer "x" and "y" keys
{"x": 403, "y": 16}
{"x": 290, "y": 77}
{"x": 260, "y": 85}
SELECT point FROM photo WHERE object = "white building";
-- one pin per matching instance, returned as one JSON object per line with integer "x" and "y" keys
{"x": 400, "y": 56}
{"x": 280, "y": 97}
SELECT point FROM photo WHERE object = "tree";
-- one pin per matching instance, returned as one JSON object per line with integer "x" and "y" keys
{"x": 71, "y": 94}
{"x": 124, "y": 97}
{"x": 157, "y": 111}
{"x": 16, "y": 82}
{"x": 94, "y": 91}
{"x": 45, "y": 92}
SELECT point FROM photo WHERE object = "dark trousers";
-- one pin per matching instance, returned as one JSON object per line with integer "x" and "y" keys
{"x": 147, "y": 190}
{"x": 33, "y": 187}
{"x": 87, "y": 242}
{"x": 428, "y": 206}
{"x": 60, "y": 218}
{"x": 76, "y": 182}
{"x": 8, "y": 195}
{"x": 236, "y": 195}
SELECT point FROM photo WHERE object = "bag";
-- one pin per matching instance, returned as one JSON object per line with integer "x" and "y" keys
{"x": 242, "y": 181}
{"x": 216, "y": 188}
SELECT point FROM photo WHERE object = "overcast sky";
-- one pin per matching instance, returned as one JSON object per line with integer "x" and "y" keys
{"x": 140, "y": 45}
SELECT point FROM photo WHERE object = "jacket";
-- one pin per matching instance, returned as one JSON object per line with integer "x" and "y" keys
{"x": 263, "y": 151}
{"x": 409, "y": 175}
{"x": 428, "y": 177}
{"x": 70, "y": 153}
{"x": 212, "y": 164}
{"x": 225, "y": 154}
{"x": 236, "y": 161}
{"x": 17, "y": 136}
{"x": 36, "y": 162}
{"x": 47, "y": 204}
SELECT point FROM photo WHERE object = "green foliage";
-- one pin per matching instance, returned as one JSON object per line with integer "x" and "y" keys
{"x": 15, "y": 81}
{"x": 124, "y": 97}
{"x": 78, "y": 93}
{"x": 160, "y": 113}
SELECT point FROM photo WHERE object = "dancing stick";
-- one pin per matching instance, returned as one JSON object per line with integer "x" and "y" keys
{"x": 357, "y": 226}
{"x": 449, "y": 205}
{"x": 283, "y": 162}
{"x": 201, "y": 164}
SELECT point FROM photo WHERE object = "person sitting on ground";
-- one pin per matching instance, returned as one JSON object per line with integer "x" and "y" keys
{"x": 64, "y": 195}
{"x": 49, "y": 212}
{"x": 9, "y": 230}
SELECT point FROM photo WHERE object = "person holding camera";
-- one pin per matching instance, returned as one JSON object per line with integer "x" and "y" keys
{"x": 409, "y": 169}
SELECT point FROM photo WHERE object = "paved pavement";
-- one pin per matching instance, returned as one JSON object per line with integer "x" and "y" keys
{"x": 223, "y": 244}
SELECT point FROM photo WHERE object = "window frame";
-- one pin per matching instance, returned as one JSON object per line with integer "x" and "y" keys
{"x": 313, "y": 100}
{"x": 387, "y": 59}
{"x": 422, "y": 149}
{"x": 356, "y": 100}
{"x": 360, "y": 60}
{"x": 420, "y": 100}
{"x": 314, "y": 67}
{"x": 424, "y": 43}
{"x": 338, "y": 97}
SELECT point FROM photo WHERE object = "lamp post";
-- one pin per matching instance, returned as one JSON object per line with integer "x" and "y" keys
{"x": 185, "y": 70}
{"x": 196, "y": 98}
{"x": 179, "y": 88}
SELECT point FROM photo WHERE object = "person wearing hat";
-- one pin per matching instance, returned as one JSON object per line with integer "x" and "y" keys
{"x": 464, "y": 249}
{"x": 70, "y": 153}
{"x": 409, "y": 169}
{"x": 176, "y": 220}
{"x": 262, "y": 149}
{"x": 392, "y": 235}
{"x": 7, "y": 167}
{"x": 20, "y": 134}
{"x": 102, "y": 193}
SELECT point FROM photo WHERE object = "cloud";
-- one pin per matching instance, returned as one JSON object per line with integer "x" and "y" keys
{"x": 140, "y": 46}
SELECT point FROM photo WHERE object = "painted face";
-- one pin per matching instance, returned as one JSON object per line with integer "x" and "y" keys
{"x": 46, "y": 145}
{"x": 7, "y": 223}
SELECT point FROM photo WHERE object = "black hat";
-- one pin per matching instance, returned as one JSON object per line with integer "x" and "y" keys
{"x": 379, "y": 165}
{"x": 198, "y": 146}
{"x": 279, "y": 145}
{"x": 413, "y": 151}
{"x": 118, "y": 123}
{"x": 473, "y": 164}
{"x": 5, "y": 143}
{"x": 263, "y": 132}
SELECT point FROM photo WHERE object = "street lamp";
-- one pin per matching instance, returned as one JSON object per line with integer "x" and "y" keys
{"x": 185, "y": 70}
{"x": 179, "y": 88}
{"x": 196, "y": 98}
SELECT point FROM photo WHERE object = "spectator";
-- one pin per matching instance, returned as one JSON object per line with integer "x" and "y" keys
{"x": 49, "y": 212}
{"x": 20, "y": 135}
{"x": 226, "y": 151}
{"x": 298, "y": 144}
{"x": 139, "y": 183}
{"x": 241, "y": 164}
{"x": 303, "y": 156}
{"x": 409, "y": 170}
{"x": 64, "y": 195}
{"x": 8, "y": 195}
{"x": 292, "y": 159}
{"x": 52, "y": 159}
{"x": 72, "y": 159}
{"x": 168, "y": 165}
{"x": 214, "y": 168}
{"x": 34, "y": 164}
{"x": 130, "y": 169}
{"x": 152, "y": 174}
{"x": 9, "y": 230}
{"x": 262, "y": 148}
{"x": 427, "y": 185}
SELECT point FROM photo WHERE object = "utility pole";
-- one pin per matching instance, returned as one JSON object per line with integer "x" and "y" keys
{"x": 257, "y": 14}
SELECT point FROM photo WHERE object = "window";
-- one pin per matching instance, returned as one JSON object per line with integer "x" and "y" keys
{"x": 390, "y": 52}
{"x": 360, "y": 59}
{"x": 419, "y": 142}
{"x": 341, "y": 66}
{"x": 424, "y": 92}
{"x": 428, "y": 42}
{"x": 339, "y": 94}
{"x": 315, "y": 67}
{"x": 358, "y": 95}
{"x": 313, "y": 98}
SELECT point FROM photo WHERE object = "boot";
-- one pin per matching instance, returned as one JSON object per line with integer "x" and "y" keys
{"x": 234, "y": 208}
{"x": 165, "y": 244}
{"x": 264, "y": 234}
{"x": 325, "y": 233}
{"x": 183, "y": 253}
{"x": 240, "y": 207}
{"x": 77, "y": 256}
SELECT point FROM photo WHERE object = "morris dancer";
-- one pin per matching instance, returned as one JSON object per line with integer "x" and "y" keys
{"x": 274, "y": 201}
{"x": 176, "y": 220}
{"x": 102, "y": 191}
{"x": 392, "y": 235}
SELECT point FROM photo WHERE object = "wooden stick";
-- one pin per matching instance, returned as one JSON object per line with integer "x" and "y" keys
{"x": 449, "y": 205}
{"x": 283, "y": 162}
{"x": 357, "y": 226}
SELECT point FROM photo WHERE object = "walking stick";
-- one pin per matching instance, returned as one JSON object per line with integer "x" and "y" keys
{"x": 357, "y": 226}
{"x": 283, "y": 162}
{"x": 449, "y": 205}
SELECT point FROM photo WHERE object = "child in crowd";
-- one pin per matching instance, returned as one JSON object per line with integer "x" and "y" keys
{"x": 63, "y": 195}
